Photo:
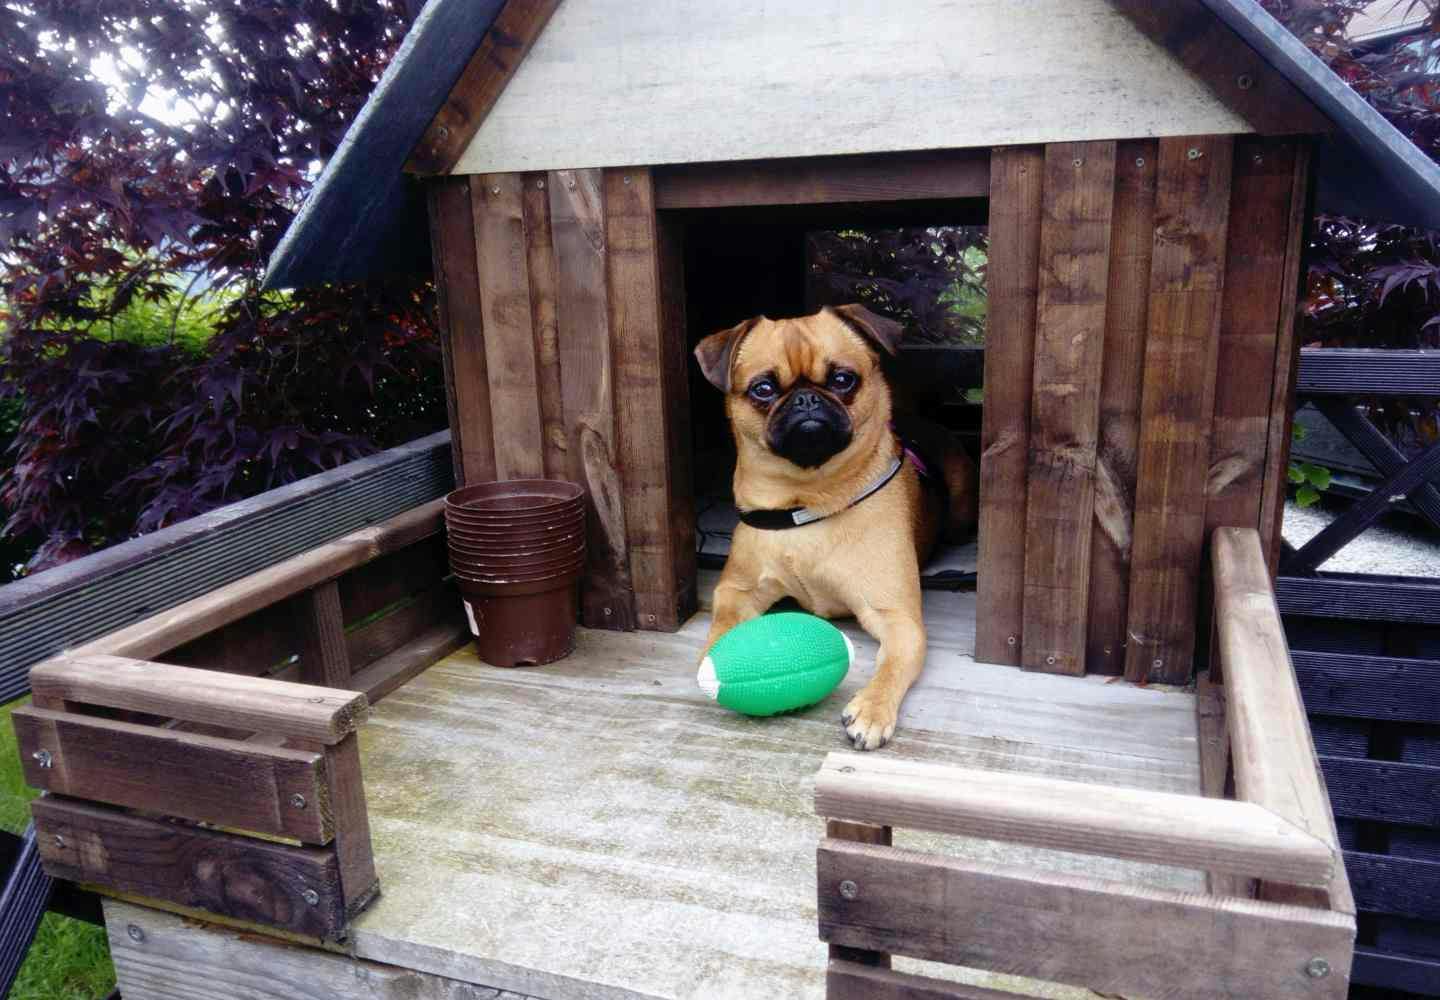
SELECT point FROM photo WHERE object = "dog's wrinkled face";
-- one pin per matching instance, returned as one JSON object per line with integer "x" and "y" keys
{"x": 803, "y": 389}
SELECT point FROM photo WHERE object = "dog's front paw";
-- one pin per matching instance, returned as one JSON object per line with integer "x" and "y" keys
{"x": 869, "y": 719}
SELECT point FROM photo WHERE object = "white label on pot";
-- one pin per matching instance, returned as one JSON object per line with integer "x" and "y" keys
{"x": 470, "y": 613}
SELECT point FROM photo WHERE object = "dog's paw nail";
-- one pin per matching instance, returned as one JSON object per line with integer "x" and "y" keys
{"x": 846, "y": 718}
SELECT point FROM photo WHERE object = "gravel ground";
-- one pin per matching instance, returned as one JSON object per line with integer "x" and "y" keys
{"x": 1380, "y": 549}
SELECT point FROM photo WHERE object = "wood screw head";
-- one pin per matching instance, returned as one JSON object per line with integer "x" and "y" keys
{"x": 43, "y": 758}
{"x": 297, "y": 800}
{"x": 443, "y": 132}
{"x": 1157, "y": 663}
{"x": 59, "y": 840}
{"x": 1317, "y": 968}
{"x": 1194, "y": 153}
{"x": 650, "y": 619}
{"x": 1244, "y": 81}
{"x": 1011, "y": 641}
{"x": 570, "y": 183}
{"x": 495, "y": 189}
{"x": 311, "y": 896}
{"x": 1257, "y": 159}
{"x": 317, "y": 701}
{"x": 1109, "y": 650}
{"x": 540, "y": 185}
{"x": 1076, "y": 162}
{"x": 608, "y": 612}
{"x": 847, "y": 769}
{"x": 849, "y": 889}
{"x": 625, "y": 179}
{"x": 1050, "y": 661}
{"x": 1139, "y": 161}
{"x": 135, "y": 933}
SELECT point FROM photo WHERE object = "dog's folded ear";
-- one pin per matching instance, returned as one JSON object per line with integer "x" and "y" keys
{"x": 716, "y": 352}
{"x": 881, "y": 331}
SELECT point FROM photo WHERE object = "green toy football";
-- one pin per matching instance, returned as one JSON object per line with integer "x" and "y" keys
{"x": 776, "y": 663}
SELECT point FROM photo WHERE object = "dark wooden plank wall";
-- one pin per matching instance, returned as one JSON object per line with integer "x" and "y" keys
{"x": 1155, "y": 366}
{"x": 575, "y": 368}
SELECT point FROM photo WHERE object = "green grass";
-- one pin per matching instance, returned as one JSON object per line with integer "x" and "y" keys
{"x": 70, "y": 959}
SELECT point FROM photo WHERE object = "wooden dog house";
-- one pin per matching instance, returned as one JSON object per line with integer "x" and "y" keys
{"x": 595, "y": 828}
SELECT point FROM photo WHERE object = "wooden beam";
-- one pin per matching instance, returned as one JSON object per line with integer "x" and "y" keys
{"x": 1192, "y": 208}
{"x": 540, "y": 258}
{"x": 345, "y": 792}
{"x": 642, "y": 383}
{"x": 462, "y": 339}
{"x": 256, "y": 704}
{"x": 238, "y": 877}
{"x": 1275, "y": 763}
{"x": 382, "y": 636}
{"x": 166, "y": 957}
{"x": 675, "y": 345}
{"x": 859, "y": 833}
{"x": 400, "y": 666}
{"x": 577, "y": 225}
{"x": 502, "y": 265}
{"x": 1158, "y": 827}
{"x": 480, "y": 85}
{"x": 1237, "y": 74}
{"x": 1215, "y": 781}
{"x": 825, "y": 180}
{"x": 1132, "y": 242}
{"x": 1110, "y": 937}
{"x": 1017, "y": 175}
{"x": 1064, "y": 423}
{"x": 324, "y": 656}
{"x": 1391, "y": 688}
{"x": 853, "y": 981}
{"x": 271, "y": 790}
{"x": 170, "y": 629}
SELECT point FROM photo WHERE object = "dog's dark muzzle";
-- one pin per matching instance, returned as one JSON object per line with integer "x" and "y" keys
{"x": 809, "y": 429}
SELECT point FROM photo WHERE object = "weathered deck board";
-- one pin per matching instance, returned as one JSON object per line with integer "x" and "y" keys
{"x": 596, "y": 828}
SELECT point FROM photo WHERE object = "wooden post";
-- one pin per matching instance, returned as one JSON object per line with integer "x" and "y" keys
{"x": 324, "y": 656}
{"x": 1017, "y": 176}
{"x": 859, "y": 833}
{"x": 1192, "y": 209}
{"x": 1065, "y": 414}
{"x": 541, "y": 262}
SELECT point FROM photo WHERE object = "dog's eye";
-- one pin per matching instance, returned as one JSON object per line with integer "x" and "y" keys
{"x": 842, "y": 381}
{"x": 763, "y": 390}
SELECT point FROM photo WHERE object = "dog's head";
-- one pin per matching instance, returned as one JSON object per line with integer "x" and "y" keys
{"x": 803, "y": 389}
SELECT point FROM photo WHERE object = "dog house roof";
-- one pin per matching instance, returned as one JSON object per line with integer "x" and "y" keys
{"x": 575, "y": 106}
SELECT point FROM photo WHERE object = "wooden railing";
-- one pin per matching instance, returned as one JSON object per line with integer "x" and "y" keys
{"x": 1295, "y": 939}
{"x": 206, "y": 758}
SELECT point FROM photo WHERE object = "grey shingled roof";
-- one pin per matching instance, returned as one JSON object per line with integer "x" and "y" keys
{"x": 365, "y": 216}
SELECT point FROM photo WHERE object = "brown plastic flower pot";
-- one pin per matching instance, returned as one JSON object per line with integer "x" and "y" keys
{"x": 517, "y": 625}
{"x": 537, "y": 523}
{"x": 515, "y": 576}
{"x": 551, "y": 563}
{"x": 521, "y": 495}
{"x": 510, "y": 538}
{"x": 510, "y": 551}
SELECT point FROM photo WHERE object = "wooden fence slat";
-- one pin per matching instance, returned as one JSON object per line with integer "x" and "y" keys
{"x": 674, "y": 342}
{"x": 1065, "y": 409}
{"x": 859, "y": 833}
{"x": 1192, "y": 206}
{"x": 224, "y": 782}
{"x": 1350, "y": 420}
{"x": 1274, "y": 756}
{"x": 1132, "y": 241}
{"x": 1391, "y": 689}
{"x": 1383, "y": 790}
{"x": 577, "y": 226}
{"x": 502, "y": 259}
{"x": 540, "y": 254}
{"x": 1189, "y": 831}
{"x": 1405, "y": 887}
{"x": 642, "y": 430}
{"x": 237, "y": 877}
{"x": 853, "y": 981}
{"x": 1017, "y": 176}
{"x": 346, "y": 793}
{"x": 1111, "y": 937}
{"x": 467, "y": 383}
{"x": 1255, "y": 285}
{"x": 324, "y": 656}
{"x": 254, "y": 704}
{"x": 1287, "y": 361}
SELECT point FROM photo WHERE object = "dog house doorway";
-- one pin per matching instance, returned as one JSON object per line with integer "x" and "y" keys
{"x": 922, "y": 263}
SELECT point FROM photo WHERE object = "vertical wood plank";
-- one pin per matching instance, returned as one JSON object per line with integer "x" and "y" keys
{"x": 541, "y": 262}
{"x": 1132, "y": 240}
{"x": 1192, "y": 208}
{"x": 1069, "y": 346}
{"x": 577, "y": 225}
{"x": 467, "y": 384}
{"x": 860, "y": 833}
{"x": 1287, "y": 361}
{"x": 324, "y": 656}
{"x": 642, "y": 428}
{"x": 346, "y": 786}
{"x": 502, "y": 257}
{"x": 1254, "y": 291}
{"x": 674, "y": 342}
{"x": 1016, "y": 188}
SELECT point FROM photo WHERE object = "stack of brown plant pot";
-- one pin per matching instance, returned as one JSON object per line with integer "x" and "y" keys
{"x": 517, "y": 549}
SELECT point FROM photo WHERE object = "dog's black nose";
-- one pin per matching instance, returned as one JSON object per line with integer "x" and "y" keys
{"x": 805, "y": 399}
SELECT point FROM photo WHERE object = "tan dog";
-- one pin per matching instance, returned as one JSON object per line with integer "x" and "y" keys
{"x": 812, "y": 417}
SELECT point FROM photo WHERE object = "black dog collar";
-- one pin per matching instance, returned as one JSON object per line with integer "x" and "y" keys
{"x": 795, "y": 517}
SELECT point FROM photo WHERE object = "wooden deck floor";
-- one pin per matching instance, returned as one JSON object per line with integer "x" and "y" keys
{"x": 597, "y": 828}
